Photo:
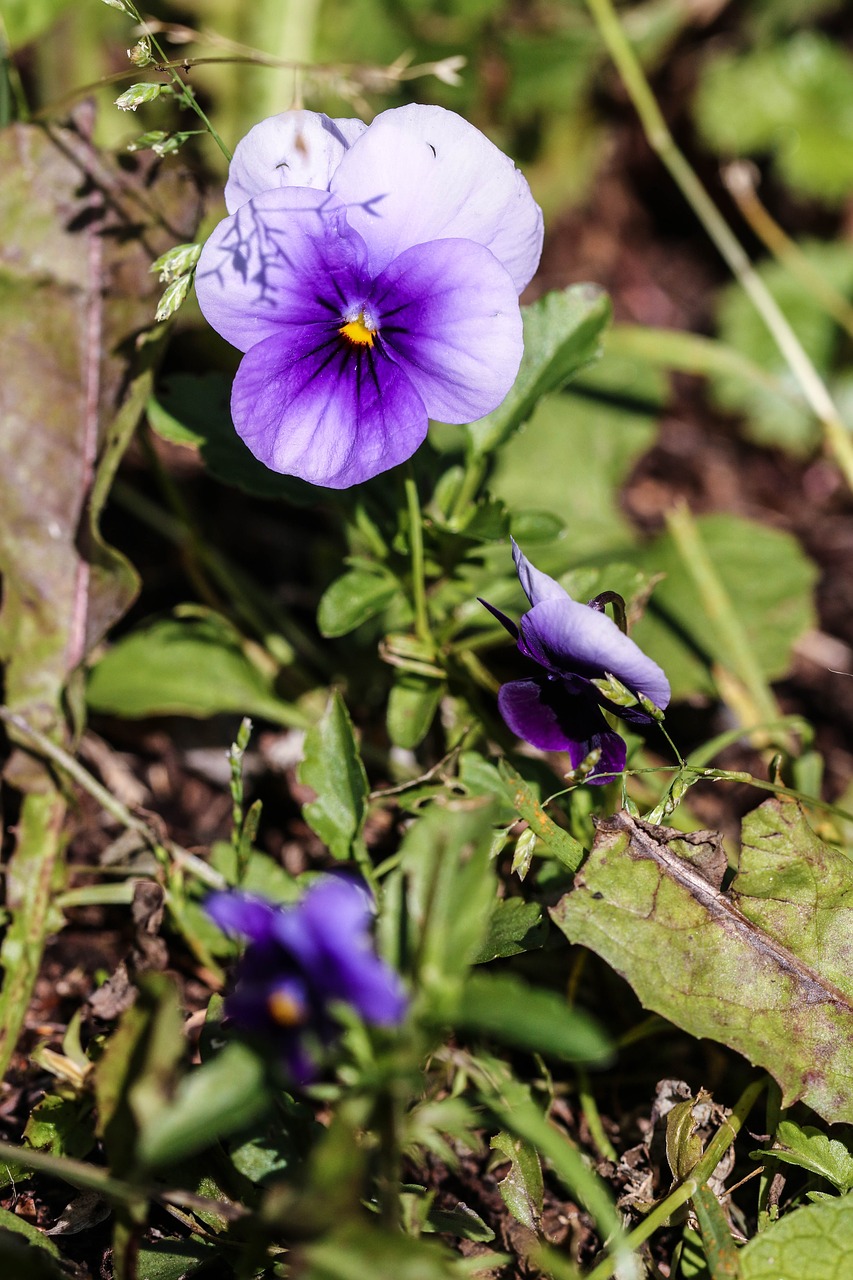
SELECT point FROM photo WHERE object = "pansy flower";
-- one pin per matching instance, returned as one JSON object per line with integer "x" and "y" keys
{"x": 300, "y": 961}
{"x": 577, "y": 649}
{"x": 371, "y": 276}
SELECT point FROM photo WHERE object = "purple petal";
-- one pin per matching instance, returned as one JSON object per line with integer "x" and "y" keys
{"x": 449, "y": 315}
{"x": 536, "y": 584}
{"x": 294, "y": 149}
{"x": 422, "y": 173}
{"x": 337, "y": 913}
{"x": 335, "y": 416}
{"x": 285, "y": 263}
{"x": 548, "y": 716}
{"x": 567, "y": 636}
{"x": 238, "y": 913}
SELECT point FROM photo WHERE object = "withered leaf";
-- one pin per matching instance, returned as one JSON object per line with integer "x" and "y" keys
{"x": 764, "y": 971}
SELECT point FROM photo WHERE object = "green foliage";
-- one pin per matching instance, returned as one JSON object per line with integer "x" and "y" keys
{"x": 193, "y": 666}
{"x": 813, "y": 1241}
{"x": 793, "y": 101}
{"x": 332, "y": 766}
{"x": 810, "y": 1149}
{"x": 768, "y": 580}
{"x": 193, "y": 410}
{"x": 780, "y": 417}
{"x": 562, "y": 334}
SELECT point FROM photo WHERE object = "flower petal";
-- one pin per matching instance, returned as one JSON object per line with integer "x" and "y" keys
{"x": 449, "y": 314}
{"x": 286, "y": 260}
{"x": 294, "y": 149}
{"x": 548, "y": 716}
{"x": 422, "y": 173}
{"x": 338, "y": 914}
{"x": 334, "y": 416}
{"x": 536, "y": 584}
{"x": 567, "y": 636}
{"x": 239, "y": 913}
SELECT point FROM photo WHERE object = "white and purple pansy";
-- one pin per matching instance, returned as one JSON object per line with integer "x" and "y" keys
{"x": 300, "y": 961}
{"x": 576, "y": 648}
{"x": 371, "y": 277}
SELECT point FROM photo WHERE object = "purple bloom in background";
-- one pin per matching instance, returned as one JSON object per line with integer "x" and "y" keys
{"x": 299, "y": 960}
{"x": 371, "y": 276}
{"x": 559, "y": 708}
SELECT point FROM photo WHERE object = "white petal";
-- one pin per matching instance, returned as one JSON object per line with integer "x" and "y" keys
{"x": 294, "y": 149}
{"x": 422, "y": 173}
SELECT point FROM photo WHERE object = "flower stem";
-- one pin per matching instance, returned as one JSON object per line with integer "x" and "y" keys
{"x": 416, "y": 549}
{"x": 837, "y": 438}
{"x": 187, "y": 94}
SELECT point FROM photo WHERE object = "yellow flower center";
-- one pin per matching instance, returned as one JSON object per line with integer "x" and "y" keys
{"x": 285, "y": 1010}
{"x": 358, "y": 332}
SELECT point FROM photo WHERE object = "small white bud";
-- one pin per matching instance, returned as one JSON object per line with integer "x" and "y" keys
{"x": 121, "y": 6}
{"x": 151, "y": 139}
{"x": 173, "y": 297}
{"x": 139, "y": 93}
{"x": 176, "y": 262}
{"x": 140, "y": 54}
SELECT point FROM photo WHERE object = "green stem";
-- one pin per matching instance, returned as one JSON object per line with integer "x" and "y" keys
{"x": 733, "y": 640}
{"x": 186, "y": 93}
{"x": 836, "y": 436}
{"x": 589, "y": 1107}
{"x": 711, "y": 1157}
{"x": 416, "y": 549}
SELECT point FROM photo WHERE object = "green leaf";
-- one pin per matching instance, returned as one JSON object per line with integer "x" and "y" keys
{"x": 766, "y": 576}
{"x": 359, "y": 1251}
{"x": 136, "y": 1073}
{"x": 11, "y": 1222}
{"x": 562, "y": 333}
{"x": 575, "y": 453}
{"x": 184, "y": 666}
{"x": 720, "y": 1250}
{"x": 528, "y": 1017}
{"x": 461, "y": 1222}
{"x": 812, "y": 1149}
{"x": 332, "y": 766}
{"x": 354, "y": 598}
{"x": 522, "y": 1189}
{"x": 743, "y": 970}
{"x": 20, "y": 1259}
{"x": 815, "y": 1241}
{"x": 61, "y": 1126}
{"x": 172, "y": 1258}
{"x": 449, "y": 888}
{"x": 412, "y": 705}
{"x": 194, "y": 410}
{"x": 555, "y": 841}
{"x": 515, "y": 926}
{"x": 793, "y": 100}
{"x": 222, "y": 1096}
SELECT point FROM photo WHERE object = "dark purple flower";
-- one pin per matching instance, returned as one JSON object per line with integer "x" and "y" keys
{"x": 371, "y": 276}
{"x": 299, "y": 961}
{"x": 574, "y": 645}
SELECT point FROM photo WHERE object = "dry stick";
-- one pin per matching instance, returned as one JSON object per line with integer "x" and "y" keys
{"x": 836, "y": 436}
{"x": 113, "y": 806}
{"x": 713, "y": 1154}
{"x": 741, "y": 183}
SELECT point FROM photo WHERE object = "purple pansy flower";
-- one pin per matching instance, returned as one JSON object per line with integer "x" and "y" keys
{"x": 559, "y": 708}
{"x": 300, "y": 959}
{"x": 371, "y": 276}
